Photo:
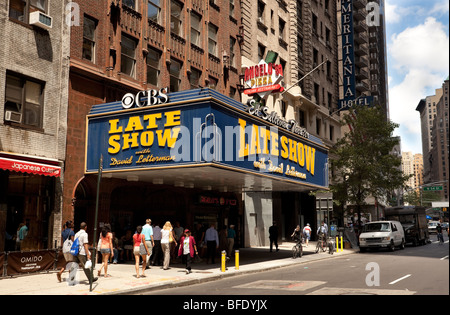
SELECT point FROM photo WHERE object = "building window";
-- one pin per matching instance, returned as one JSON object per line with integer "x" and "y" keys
{"x": 175, "y": 18}
{"x": 261, "y": 8}
{"x": 131, "y": 4}
{"x": 20, "y": 9}
{"x": 128, "y": 61}
{"x": 301, "y": 118}
{"x": 194, "y": 78}
{"x": 281, "y": 28}
{"x": 175, "y": 75}
{"x": 232, "y": 54}
{"x": 261, "y": 51}
{"x": 283, "y": 109}
{"x": 154, "y": 10}
{"x": 195, "y": 29}
{"x": 153, "y": 66}
{"x": 212, "y": 39}
{"x": 232, "y": 8}
{"x": 213, "y": 83}
{"x": 24, "y": 100}
{"x": 89, "y": 26}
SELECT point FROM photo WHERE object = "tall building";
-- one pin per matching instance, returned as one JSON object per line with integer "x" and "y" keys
{"x": 418, "y": 170}
{"x": 362, "y": 53}
{"x": 438, "y": 156}
{"x": 427, "y": 108}
{"x": 33, "y": 119}
{"x": 408, "y": 167}
{"x": 412, "y": 164}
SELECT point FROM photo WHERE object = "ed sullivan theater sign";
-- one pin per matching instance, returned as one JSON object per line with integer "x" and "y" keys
{"x": 199, "y": 127}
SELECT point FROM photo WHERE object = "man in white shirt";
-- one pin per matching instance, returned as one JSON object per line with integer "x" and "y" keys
{"x": 84, "y": 254}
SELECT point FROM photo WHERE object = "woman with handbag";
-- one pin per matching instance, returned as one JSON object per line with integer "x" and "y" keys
{"x": 167, "y": 237}
{"x": 140, "y": 250}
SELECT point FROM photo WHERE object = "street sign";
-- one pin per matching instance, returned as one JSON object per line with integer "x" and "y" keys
{"x": 432, "y": 188}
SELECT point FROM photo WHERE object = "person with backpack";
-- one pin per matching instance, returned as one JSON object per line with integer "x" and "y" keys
{"x": 67, "y": 234}
{"x": 83, "y": 254}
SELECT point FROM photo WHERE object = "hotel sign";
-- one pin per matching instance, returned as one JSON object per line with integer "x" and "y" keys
{"x": 348, "y": 52}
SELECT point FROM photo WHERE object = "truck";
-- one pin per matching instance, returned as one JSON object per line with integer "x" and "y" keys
{"x": 414, "y": 222}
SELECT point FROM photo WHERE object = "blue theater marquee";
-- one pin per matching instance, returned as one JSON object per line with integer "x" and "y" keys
{"x": 154, "y": 130}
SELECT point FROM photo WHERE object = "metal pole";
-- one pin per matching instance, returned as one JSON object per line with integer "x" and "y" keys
{"x": 236, "y": 258}
{"x": 100, "y": 168}
{"x": 304, "y": 76}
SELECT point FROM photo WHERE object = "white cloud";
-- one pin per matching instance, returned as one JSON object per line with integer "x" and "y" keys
{"x": 425, "y": 46}
{"x": 421, "y": 55}
{"x": 391, "y": 12}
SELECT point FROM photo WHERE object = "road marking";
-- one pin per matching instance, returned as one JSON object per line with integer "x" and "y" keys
{"x": 444, "y": 257}
{"x": 398, "y": 280}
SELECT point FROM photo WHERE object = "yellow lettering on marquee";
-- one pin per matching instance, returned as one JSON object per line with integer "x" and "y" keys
{"x": 243, "y": 147}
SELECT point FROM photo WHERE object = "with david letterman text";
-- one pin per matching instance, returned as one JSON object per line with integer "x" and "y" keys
{"x": 230, "y": 305}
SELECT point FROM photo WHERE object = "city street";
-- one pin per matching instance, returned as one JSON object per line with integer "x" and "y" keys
{"x": 422, "y": 270}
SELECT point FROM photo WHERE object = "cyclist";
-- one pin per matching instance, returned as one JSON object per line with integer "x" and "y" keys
{"x": 296, "y": 235}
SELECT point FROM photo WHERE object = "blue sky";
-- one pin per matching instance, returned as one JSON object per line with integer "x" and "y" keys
{"x": 417, "y": 37}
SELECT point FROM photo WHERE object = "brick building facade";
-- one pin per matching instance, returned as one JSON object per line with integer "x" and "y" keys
{"x": 123, "y": 47}
{"x": 34, "y": 67}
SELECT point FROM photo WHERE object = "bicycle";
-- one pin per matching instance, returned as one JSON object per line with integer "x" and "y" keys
{"x": 322, "y": 243}
{"x": 297, "y": 250}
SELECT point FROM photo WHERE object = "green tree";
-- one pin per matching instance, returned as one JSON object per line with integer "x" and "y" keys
{"x": 362, "y": 161}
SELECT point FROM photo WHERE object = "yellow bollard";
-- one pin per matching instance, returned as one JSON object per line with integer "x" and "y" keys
{"x": 342, "y": 244}
{"x": 223, "y": 260}
{"x": 236, "y": 258}
{"x": 337, "y": 244}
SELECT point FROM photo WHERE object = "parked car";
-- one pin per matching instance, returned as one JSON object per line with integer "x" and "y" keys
{"x": 432, "y": 226}
{"x": 382, "y": 234}
{"x": 414, "y": 222}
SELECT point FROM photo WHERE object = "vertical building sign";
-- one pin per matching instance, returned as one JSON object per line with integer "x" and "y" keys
{"x": 348, "y": 53}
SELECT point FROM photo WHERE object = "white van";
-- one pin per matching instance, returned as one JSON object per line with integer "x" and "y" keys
{"x": 382, "y": 234}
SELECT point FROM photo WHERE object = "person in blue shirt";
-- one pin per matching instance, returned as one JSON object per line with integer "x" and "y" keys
{"x": 147, "y": 230}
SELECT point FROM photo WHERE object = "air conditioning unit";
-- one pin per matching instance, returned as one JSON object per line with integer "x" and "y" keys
{"x": 13, "y": 116}
{"x": 41, "y": 20}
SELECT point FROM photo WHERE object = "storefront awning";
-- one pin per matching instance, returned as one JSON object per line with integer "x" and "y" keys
{"x": 29, "y": 167}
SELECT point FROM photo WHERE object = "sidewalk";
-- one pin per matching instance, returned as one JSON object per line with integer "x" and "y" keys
{"x": 123, "y": 280}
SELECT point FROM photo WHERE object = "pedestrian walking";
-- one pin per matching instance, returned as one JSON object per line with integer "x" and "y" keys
{"x": 212, "y": 243}
{"x": 231, "y": 235}
{"x": 147, "y": 230}
{"x": 84, "y": 254}
{"x": 106, "y": 248}
{"x": 440, "y": 236}
{"x": 273, "y": 236}
{"x": 307, "y": 233}
{"x": 66, "y": 234}
{"x": 140, "y": 250}
{"x": 187, "y": 249}
{"x": 167, "y": 237}
{"x": 157, "y": 251}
